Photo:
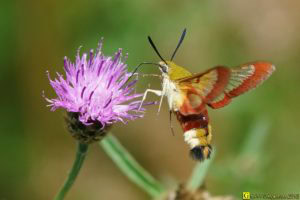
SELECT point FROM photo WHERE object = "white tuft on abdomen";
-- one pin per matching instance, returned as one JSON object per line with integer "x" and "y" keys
{"x": 190, "y": 137}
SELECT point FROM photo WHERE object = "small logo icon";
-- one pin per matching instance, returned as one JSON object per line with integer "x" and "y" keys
{"x": 246, "y": 195}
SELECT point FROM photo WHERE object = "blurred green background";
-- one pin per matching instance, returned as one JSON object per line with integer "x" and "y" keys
{"x": 256, "y": 136}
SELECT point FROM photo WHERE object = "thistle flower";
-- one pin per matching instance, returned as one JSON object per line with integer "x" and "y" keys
{"x": 95, "y": 93}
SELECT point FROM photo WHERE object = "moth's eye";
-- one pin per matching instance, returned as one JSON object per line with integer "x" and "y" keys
{"x": 164, "y": 68}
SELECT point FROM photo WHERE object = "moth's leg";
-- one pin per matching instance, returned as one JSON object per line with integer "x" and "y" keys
{"x": 171, "y": 125}
{"x": 163, "y": 92}
{"x": 157, "y": 92}
{"x": 160, "y": 102}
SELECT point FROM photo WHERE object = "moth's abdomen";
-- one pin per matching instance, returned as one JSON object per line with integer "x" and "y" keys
{"x": 199, "y": 140}
{"x": 197, "y": 134}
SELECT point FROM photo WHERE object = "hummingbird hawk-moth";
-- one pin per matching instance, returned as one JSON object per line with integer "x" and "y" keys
{"x": 189, "y": 94}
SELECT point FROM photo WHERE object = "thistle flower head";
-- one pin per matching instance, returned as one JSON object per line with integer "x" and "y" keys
{"x": 95, "y": 88}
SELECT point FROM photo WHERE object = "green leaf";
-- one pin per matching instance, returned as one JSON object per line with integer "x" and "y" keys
{"x": 256, "y": 138}
{"x": 130, "y": 167}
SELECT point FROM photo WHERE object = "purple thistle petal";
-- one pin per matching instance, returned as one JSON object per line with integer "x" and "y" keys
{"x": 77, "y": 76}
{"x": 100, "y": 67}
{"x": 91, "y": 57}
{"x": 82, "y": 92}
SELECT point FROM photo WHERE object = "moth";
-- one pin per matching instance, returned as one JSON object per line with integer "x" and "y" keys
{"x": 189, "y": 94}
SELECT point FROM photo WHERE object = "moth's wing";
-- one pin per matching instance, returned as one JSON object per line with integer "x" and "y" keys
{"x": 200, "y": 88}
{"x": 217, "y": 86}
{"x": 242, "y": 79}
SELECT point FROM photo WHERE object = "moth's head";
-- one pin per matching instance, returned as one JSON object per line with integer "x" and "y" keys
{"x": 164, "y": 67}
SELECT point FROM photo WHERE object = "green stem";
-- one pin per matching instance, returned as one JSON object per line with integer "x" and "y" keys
{"x": 199, "y": 173}
{"x": 130, "y": 167}
{"x": 80, "y": 156}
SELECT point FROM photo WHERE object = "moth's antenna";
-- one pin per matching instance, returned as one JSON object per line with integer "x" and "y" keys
{"x": 155, "y": 49}
{"x": 179, "y": 43}
{"x": 135, "y": 70}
